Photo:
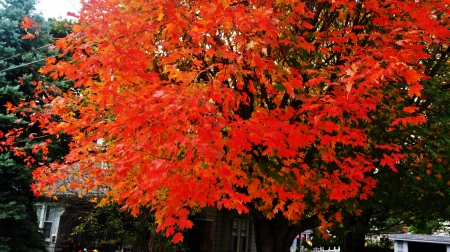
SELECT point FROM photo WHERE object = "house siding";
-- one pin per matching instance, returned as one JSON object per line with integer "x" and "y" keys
{"x": 221, "y": 222}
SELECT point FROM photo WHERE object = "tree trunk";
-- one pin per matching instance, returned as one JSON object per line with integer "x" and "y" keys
{"x": 151, "y": 241}
{"x": 356, "y": 228}
{"x": 277, "y": 234}
{"x": 354, "y": 241}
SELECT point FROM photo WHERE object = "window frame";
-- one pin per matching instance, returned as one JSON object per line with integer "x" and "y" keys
{"x": 239, "y": 234}
{"x": 46, "y": 217}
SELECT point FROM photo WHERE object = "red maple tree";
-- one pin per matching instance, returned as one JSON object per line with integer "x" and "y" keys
{"x": 261, "y": 105}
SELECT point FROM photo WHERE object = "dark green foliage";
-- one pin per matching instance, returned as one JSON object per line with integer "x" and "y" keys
{"x": 430, "y": 227}
{"x": 110, "y": 225}
{"x": 418, "y": 194}
{"x": 20, "y": 61}
{"x": 60, "y": 27}
{"x": 18, "y": 220}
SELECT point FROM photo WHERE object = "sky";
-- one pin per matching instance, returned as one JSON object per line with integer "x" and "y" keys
{"x": 58, "y": 8}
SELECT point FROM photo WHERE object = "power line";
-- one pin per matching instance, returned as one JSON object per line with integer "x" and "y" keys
{"x": 20, "y": 54}
{"x": 73, "y": 5}
{"x": 25, "y": 64}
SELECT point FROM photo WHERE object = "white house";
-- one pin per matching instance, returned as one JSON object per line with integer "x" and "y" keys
{"x": 420, "y": 243}
{"x": 49, "y": 216}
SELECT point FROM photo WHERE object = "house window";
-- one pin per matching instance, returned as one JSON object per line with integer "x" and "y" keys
{"x": 46, "y": 215}
{"x": 400, "y": 246}
{"x": 240, "y": 235}
{"x": 48, "y": 221}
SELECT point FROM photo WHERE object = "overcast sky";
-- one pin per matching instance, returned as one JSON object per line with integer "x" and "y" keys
{"x": 58, "y": 8}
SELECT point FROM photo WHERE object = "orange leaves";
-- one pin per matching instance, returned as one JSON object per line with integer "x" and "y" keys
{"x": 414, "y": 90}
{"x": 414, "y": 120}
{"x": 8, "y": 106}
{"x": 178, "y": 237}
{"x": 410, "y": 110}
{"x": 391, "y": 160}
{"x": 254, "y": 187}
{"x": 29, "y": 36}
{"x": 28, "y": 23}
{"x": 212, "y": 103}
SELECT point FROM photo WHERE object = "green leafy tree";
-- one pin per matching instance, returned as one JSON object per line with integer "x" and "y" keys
{"x": 293, "y": 111}
{"x": 417, "y": 194}
{"x": 19, "y": 63}
{"x": 140, "y": 231}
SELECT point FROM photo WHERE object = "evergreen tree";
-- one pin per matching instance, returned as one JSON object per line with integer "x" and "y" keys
{"x": 19, "y": 64}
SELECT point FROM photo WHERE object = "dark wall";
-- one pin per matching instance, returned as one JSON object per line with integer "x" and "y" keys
{"x": 426, "y": 247}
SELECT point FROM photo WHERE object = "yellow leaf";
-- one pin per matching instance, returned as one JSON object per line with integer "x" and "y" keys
{"x": 250, "y": 45}
{"x": 160, "y": 16}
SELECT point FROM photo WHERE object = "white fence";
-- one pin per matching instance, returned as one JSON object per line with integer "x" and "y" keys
{"x": 338, "y": 249}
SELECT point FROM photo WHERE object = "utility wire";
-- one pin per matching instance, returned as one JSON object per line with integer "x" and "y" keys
{"x": 25, "y": 64}
{"x": 20, "y": 54}
{"x": 73, "y": 5}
